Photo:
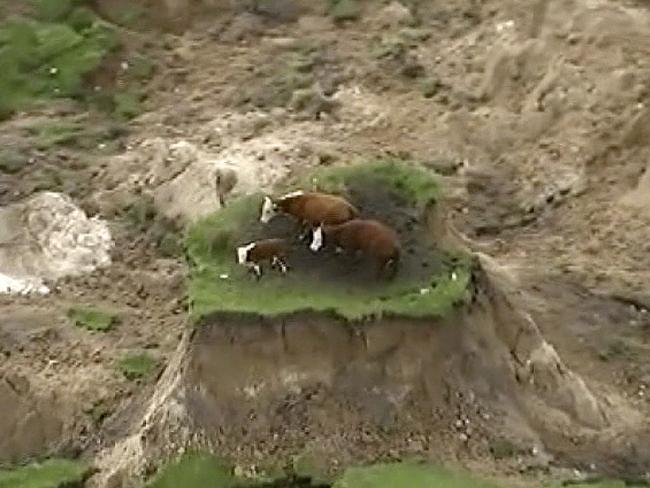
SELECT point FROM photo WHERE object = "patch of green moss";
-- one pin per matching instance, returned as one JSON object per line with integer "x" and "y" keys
{"x": 342, "y": 10}
{"x": 140, "y": 67}
{"x": 408, "y": 179}
{"x": 194, "y": 471}
{"x": 12, "y": 160}
{"x": 128, "y": 104}
{"x": 53, "y": 10}
{"x": 41, "y": 60}
{"x": 312, "y": 466}
{"x": 219, "y": 284}
{"x": 603, "y": 484}
{"x": 406, "y": 475}
{"x": 135, "y": 366}
{"x": 92, "y": 318}
{"x": 53, "y": 473}
{"x": 56, "y": 134}
{"x": 71, "y": 133}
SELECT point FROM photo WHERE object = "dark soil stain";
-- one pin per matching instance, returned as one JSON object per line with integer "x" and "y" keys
{"x": 419, "y": 260}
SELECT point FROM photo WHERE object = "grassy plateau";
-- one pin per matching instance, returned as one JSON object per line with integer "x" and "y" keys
{"x": 219, "y": 284}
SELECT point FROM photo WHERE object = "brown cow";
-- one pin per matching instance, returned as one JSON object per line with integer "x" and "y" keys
{"x": 311, "y": 209}
{"x": 254, "y": 253}
{"x": 370, "y": 237}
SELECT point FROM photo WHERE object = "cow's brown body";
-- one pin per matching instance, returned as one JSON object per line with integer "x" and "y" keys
{"x": 254, "y": 254}
{"x": 370, "y": 237}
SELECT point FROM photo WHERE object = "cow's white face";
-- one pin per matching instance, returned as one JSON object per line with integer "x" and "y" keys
{"x": 317, "y": 239}
{"x": 269, "y": 209}
{"x": 242, "y": 253}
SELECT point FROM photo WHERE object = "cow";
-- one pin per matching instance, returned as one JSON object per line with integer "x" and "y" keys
{"x": 253, "y": 254}
{"x": 311, "y": 209}
{"x": 369, "y": 237}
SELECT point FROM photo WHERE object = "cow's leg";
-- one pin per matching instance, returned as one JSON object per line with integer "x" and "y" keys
{"x": 305, "y": 230}
{"x": 390, "y": 268}
{"x": 281, "y": 264}
{"x": 257, "y": 269}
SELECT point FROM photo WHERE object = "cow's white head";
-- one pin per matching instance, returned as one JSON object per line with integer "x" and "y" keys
{"x": 269, "y": 209}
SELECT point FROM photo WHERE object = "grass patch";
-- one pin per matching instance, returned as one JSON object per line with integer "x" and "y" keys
{"x": 344, "y": 10}
{"x": 80, "y": 134}
{"x": 58, "y": 52}
{"x": 12, "y": 160}
{"x": 137, "y": 366}
{"x": 53, "y": 473}
{"x": 417, "y": 185}
{"x": 128, "y": 104}
{"x": 41, "y": 60}
{"x": 199, "y": 470}
{"x": 604, "y": 484}
{"x": 406, "y": 475}
{"x": 219, "y": 284}
{"x": 194, "y": 471}
{"x": 92, "y": 319}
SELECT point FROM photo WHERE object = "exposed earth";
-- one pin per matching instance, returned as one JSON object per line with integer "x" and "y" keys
{"x": 537, "y": 119}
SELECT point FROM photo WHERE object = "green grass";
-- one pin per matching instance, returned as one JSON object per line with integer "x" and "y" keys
{"x": 344, "y": 10}
{"x": 54, "y": 473}
{"x": 200, "y": 470}
{"x": 127, "y": 104}
{"x": 92, "y": 318}
{"x": 219, "y": 284}
{"x": 41, "y": 60}
{"x": 602, "y": 484}
{"x": 72, "y": 133}
{"x": 194, "y": 471}
{"x": 12, "y": 160}
{"x": 406, "y": 476}
{"x": 417, "y": 185}
{"x": 135, "y": 366}
{"x": 53, "y": 54}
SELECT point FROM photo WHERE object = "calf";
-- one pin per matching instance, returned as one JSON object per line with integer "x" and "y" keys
{"x": 370, "y": 237}
{"x": 311, "y": 209}
{"x": 253, "y": 254}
